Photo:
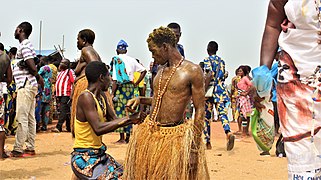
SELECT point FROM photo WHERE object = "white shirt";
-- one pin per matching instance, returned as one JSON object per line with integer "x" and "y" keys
{"x": 131, "y": 65}
{"x": 25, "y": 51}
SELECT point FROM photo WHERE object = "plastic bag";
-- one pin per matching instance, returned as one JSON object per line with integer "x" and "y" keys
{"x": 262, "y": 126}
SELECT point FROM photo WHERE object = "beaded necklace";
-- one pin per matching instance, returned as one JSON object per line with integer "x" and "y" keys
{"x": 160, "y": 92}
{"x": 101, "y": 104}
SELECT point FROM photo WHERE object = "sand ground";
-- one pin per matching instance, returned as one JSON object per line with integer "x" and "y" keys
{"x": 52, "y": 160}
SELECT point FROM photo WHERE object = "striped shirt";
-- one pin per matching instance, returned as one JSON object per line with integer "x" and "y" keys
{"x": 64, "y": 82}
{"x": 25, "y": 51}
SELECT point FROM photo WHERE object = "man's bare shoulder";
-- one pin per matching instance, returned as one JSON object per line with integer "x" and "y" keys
{"x": 87, "y": 50}
{"x": 85, "y": 98}
{"x": 5, "y": 59}
{"x": 89, "y": 54}
{"x": 190, "y": 66}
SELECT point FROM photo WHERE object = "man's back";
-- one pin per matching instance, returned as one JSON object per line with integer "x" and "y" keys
{"x": 88, "y": 54}
{"x": 4, "y": 65}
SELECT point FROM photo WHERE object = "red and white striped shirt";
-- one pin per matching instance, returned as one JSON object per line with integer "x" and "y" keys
{"x": 64, "y": 82}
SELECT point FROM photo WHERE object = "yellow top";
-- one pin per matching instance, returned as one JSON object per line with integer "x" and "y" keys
{"x": 85, "y": 137}
{"x": 136, "y": 77}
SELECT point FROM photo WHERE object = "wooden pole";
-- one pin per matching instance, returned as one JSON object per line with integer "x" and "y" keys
{"x": 40, "y": 37}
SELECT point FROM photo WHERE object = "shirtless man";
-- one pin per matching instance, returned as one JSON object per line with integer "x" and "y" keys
{"x": 85, "y": 40}
{"x": 177, "y": 151}
{"x": 5, "y": 76}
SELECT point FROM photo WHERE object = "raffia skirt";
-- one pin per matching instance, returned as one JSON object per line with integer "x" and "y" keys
{"x": 164, "y": 153}
{"x": 79, "y": 87}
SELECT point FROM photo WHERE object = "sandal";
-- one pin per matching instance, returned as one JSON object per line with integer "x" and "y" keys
{"x": 230, "y": 142}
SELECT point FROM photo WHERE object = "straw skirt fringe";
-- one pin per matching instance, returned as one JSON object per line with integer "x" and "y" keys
{"x": 163, "y": 153}
{"x": 79, "y": 87}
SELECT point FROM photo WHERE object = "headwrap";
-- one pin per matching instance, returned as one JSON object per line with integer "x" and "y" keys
{"x": 122, "y": 45}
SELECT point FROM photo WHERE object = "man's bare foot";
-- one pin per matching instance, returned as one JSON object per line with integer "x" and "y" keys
{"x": 120, "y": 141}
{"x": 208, "y": 146}
{"x": 239, "y": 132}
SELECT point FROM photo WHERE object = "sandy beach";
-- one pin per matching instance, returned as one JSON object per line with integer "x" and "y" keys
{"x": 52, "y": 160}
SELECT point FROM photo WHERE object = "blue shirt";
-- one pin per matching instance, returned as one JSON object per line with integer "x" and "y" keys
{"x": 180, "y": 48}
{"x": 274, "y": 73}
{"x": 211, "y": 65}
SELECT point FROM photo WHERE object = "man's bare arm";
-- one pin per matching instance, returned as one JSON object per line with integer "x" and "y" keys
{"x": 8, "y": 78}
{"x": 198, "y": 96}
{"x": 133, "y": 103}
{"x": 80, "y": 66}
{"x": 272, "y": 31}
{"x": 86, "y": 105}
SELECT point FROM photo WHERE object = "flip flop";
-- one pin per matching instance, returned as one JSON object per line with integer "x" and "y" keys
{"x": 27, "y": 155}
{"x": 230, "y": 143}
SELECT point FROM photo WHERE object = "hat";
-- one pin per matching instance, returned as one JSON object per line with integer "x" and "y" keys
{"x": 122, "y": 45}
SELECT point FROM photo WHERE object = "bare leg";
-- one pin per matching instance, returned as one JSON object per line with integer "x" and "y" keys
{"x": 2, "y": 140}
{"x": 244, "y": 126}
{"x": 122, "y": 139}
{"x": 247, "y": 126}
{"x": 239, "y": 124}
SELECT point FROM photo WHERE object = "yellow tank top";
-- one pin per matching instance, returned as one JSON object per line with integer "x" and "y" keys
{"x": 136, "y": 77}
{"x": 85, "y": 137}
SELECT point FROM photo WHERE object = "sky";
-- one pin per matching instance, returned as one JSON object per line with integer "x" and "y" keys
{"x": 237, "y": 26}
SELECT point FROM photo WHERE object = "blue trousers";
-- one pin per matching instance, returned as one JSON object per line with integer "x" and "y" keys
{"x": 222, "y": 115}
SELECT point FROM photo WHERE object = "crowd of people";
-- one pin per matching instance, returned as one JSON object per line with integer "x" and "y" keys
{"x": 95, "y": 98}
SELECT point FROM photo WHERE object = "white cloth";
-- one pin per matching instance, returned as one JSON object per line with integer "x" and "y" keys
{"x": 131, "y": 65}
{"x": 294, "y": 96}
{"x": 302, "y": 42}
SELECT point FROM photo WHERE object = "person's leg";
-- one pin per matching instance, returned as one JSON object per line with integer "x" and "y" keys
{"x": 128, "y": 130}
{"x": 233, "y": 107}
{"x": 120, "y": 112}
{"x": 31, "y": 136}
{"x": 2, "y": 129}
{"x": 239, "y": 121}
{"x": 24, "y": 102}
{"x": 38, "y": 113}
{"x": 222, "y": 112}
{"x": 130, "y": 95}
{"x": 207, "y": 123}
{"x": 66, "y": 111}
{"x": 2, "y": 141}
{"x": 45, "y": 115}
{"x": 247, "y": 125}
{"x": 276, "y": 117}
{"x": 244, "y": 125}
{"x": 62, "y": 114}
